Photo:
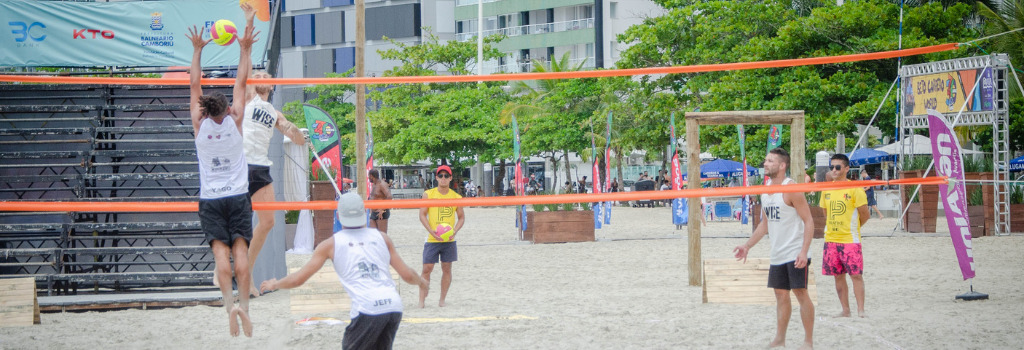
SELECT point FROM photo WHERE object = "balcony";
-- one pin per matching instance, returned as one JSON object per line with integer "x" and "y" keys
{"x": 526, "y": 66}
{"x": 470, "y": 2}
{"x": 541, "y": 28}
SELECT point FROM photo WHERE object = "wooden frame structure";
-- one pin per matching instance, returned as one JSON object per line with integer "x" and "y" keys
{"x": 693, "y": 122}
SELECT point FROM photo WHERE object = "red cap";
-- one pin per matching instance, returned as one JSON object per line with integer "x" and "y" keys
{"x": 445, "y": 168}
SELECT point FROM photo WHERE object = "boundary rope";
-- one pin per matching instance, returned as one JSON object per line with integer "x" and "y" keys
{"x": 468, "y": 202}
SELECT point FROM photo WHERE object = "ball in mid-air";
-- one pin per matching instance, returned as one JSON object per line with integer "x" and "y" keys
{"x": 223, "y": 32}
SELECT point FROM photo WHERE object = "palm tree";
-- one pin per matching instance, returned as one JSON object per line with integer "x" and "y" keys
{"x": 1003, "y": 17}
{"x": 539, "y": 106}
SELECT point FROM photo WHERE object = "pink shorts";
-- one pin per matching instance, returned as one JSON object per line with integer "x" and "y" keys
{"x": 842, "y": 258}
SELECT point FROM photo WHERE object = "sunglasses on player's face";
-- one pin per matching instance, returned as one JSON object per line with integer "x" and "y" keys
{"x": 443, "y": 176}
{"x": 836, "y": 167}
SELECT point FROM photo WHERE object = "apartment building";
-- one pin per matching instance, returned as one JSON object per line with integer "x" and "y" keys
{"x": 318, "y": 36}
{"x": 547, "y": 29}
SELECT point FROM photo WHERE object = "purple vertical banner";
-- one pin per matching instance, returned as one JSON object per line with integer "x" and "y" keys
{"x": 987, "y": 91}
{"x": 950, "y": 163}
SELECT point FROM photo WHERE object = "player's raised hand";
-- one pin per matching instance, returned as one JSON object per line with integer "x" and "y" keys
{"x": 196, "y": 36}
{"x": 250, "y": 12}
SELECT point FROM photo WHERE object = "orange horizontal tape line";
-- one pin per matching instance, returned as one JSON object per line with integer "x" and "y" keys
{"x": 466, "y": 202}
{"x": 499, "y": 77}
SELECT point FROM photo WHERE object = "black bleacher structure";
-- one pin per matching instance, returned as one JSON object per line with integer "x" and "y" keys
{"x": 100, "y": 143}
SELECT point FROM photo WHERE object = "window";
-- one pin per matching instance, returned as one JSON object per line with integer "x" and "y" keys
{"x": 302, "y": 30}
{"x": 613, "y": 9}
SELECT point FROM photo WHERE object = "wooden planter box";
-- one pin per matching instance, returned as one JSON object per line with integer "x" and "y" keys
{"x": 323, "y": 220}
{"x": 755, "y": 216}
{"x": 817, "y": 214}
{"x": 987, "y": 201}
{"x": 976, "y": 214}
{"x": 559, "y": 226}
{"x": 1017, "y": 217}
{"x": 912, "y": 222}
{"x": 929, "y": 204}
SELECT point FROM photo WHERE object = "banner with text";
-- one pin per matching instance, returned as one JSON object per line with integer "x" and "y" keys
{"x": 950, "y": 163}
{"x": 947, "y": 92}
{"x": 131, "y": 33}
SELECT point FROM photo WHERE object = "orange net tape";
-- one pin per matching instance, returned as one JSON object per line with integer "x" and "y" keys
{"x": 499, "y": 77}
{"x": 468, "y": 202}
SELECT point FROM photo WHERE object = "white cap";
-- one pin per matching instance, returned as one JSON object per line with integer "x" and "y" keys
{"x": 351, "y": 212}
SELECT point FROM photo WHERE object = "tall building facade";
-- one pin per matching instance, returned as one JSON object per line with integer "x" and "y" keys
{"x": 318, "y": 36}
{"x": 546, "y": 30}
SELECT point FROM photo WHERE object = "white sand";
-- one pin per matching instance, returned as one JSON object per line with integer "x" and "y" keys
{"x": 628, "y": 290}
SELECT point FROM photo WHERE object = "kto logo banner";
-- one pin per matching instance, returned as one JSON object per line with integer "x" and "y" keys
{"x": 85, "y": 33}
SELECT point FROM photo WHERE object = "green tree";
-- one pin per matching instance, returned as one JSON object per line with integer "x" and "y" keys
{"x": 554, "y": 115}
{"x": 451, "y": 121}
{"x": 330, "y": 98}
{"x": 834, "y": 97}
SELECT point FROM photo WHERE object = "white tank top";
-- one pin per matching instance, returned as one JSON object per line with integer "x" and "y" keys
{"x": 259, "y": 123}
{"x": 222, "y": 169}
{"x": 361, "y": 260}
{"x": 785, "y": 227}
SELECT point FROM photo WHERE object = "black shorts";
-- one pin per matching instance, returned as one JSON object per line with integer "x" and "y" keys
{"x": 371, "y": 331}
{"x": 259, "y": 177}
{"x": 787, "y": 276}
{"x": 445, "y": 251}
{"x": 226, "y": 219}
{"x": 384, "y": 216}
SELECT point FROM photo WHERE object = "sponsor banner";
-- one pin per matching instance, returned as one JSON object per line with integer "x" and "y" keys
{"x": 947, "y": 92}
{"x": 774, "y": 136}
{"x": 949, "y": 163}
{"x": 130, "y": 33}
{"x": 323, "y": 135}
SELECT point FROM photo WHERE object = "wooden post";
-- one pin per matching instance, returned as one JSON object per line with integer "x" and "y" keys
{"x": 693, "y": 122}
{"x": 796, "y": 149}
{"x": 693, "y": 182}
{"x": 361, "y": 98}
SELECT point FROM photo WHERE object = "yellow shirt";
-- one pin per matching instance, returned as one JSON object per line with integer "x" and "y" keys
{"x": 437, "y": 215}
{"x": 842, "y": 221}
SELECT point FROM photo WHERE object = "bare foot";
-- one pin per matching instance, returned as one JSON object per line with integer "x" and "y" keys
{"x": 862, "y": 314}
{"x": 842, "y": 314}
{"x": 441, "y": 303}
{"x": 807, "y": 346}
{"x": 777, "y": 343}
{"x": 422, "y": 305}
{"x": 253, "y": 291}
{"x": 246, "y": 322}
{"x": 233, "y": 321}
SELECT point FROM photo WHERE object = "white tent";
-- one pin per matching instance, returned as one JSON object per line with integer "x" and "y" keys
{"x": 916, "y": 144}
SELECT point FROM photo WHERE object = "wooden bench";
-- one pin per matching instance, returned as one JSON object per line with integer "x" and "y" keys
{"x": 728, "y": 281}
{"x": 18, "y": 303}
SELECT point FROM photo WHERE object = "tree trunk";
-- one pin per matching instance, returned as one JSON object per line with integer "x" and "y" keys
{"x": 499, "y": 180}
{"x": 618, "y": 156}
{"x": 554, "y": 173}
{"x": 568, "y": 173}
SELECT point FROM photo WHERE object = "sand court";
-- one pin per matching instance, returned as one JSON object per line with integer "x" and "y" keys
{"x": 629, "y": 289}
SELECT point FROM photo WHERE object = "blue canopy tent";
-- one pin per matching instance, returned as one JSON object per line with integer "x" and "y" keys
{"x": 1017, "y": 164}
{"x": 868, "y": 156}
{"x": 724, "y": 168}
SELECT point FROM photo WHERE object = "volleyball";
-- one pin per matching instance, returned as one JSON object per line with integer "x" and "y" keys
{"x": 444, "y": 232}
{"x": 223, "y": 32}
